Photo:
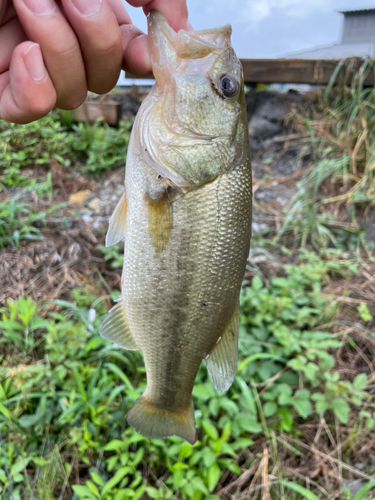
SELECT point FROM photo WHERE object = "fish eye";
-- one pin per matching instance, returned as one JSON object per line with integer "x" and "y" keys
{"x": 228, "y": 85}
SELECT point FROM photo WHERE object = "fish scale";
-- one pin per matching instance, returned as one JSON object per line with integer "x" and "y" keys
{"x": 186, "y": 224}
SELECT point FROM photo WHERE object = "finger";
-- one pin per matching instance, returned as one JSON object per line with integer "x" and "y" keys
{"x": 9, "y": 15}
{"x": 120, "y": 12}
{"x": 137, "y": 59}
{"x": 26, "y": 90}
{"x": 175, "y": 11}
{"x": 99, "y": 36}
{"x": 3, "y": 8}
{"x": 45, "y": 24}
{"x": 11, "y": 35}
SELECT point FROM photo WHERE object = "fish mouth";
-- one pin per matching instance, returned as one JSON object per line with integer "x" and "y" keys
{"x": 170, "y": 50}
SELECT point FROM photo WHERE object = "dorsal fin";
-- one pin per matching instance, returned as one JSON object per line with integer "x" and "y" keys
{"x": 222, "y": 361}
{"x": 115, "y": 328}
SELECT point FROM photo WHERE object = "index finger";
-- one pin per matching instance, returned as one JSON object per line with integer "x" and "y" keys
{"x": 174, "y": 11}
{"x": 137, "y": 59}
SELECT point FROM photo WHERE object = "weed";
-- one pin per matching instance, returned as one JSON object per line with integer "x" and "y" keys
{"x": 102, "y": 146}
{"x": 19, "y": 220}
{"x": 95, "y": 147}
{"x": 113, "y": 254}
{"x": 342, "y": 148}
{"x": 58, "y": 376}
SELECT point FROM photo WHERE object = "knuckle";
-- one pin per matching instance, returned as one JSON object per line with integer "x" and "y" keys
{"x": 41, "y": 107}
{"x": 103, "y": 87}
{"x": 110, "y": 47}
{"x": 71, "y": 102}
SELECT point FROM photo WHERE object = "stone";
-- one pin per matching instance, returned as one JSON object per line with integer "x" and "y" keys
{"x": 94, "y": 205}
{"x": 79, "y": 197}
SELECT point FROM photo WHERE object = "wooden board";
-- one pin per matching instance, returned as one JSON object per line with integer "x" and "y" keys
{"x": 90, "y": 110}
{"x": 310, "y": 71}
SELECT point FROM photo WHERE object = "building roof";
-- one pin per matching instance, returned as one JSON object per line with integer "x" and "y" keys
{"x": 364, "y": 9}
{"x": 336, "y": 51}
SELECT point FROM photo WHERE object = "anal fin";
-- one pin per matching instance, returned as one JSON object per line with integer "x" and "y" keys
{"x": 115, "y": 328}
{"x": 222, "y": 361}
{"x": 117, "y": 222}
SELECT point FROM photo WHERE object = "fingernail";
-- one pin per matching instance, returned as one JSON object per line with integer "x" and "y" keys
{"x": 41, "y": 7}
{"x": 189, "y": 26}
{"x": 88, "y": 7}
{"x": 34, "y": 63}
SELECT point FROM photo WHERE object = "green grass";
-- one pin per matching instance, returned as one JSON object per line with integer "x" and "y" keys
{"x": 64, "y": 393}
{"x": 342, "y": 149}
{"x": 20, "y": 220}
{"x": 90, "y": 148}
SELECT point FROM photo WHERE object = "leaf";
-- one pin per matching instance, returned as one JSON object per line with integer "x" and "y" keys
{"x": 210, "y": 430}
{"x": 115, "y": 479}
{"x": 116, "y": 370}
{"x": 199, "y": 485}
{"x": 28, "y": 420}
{"x": 248, "y": 423}
{"x": 83, "y": 492}
{"x": 209, "y": 457}
{"x": 341, "y": 409}
{"x": 300, "y": 489}
{"x": 18, "y": 466}
{"x": 255, "y": 357}
{"x": 286, "y": 416}
{"x": 93, "y": 488}
{"x": 138, "y": 492}
{"x": 370, "y": 422}
{"x": 115, "y": 444}
{"x": 97, "y": 479}
{"x": 201, "y": 392}
{"x": 303, "y": 406}
{"x": 364, "y": 490}
{"x": 256, "y": 284}
{"x": 321, "y": 406}
{"x": 269, "y": 408}
{"x": 360, "y": 381}
{"x": 302, "y": 394}
{"x": 242, "y": 443}
{"x": 285, "y": 395}
{"x": 5, "y": 411}
{"x": 213, "y": 476}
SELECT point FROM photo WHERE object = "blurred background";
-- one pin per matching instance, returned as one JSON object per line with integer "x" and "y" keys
{"x": 299, "y": 419}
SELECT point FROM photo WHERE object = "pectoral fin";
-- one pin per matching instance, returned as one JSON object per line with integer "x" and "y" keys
{"x": 115, "y": 328}
{"x": 222, "y": 361}
{"x": 117, "y": 223}
{"x": 159, "y": 221}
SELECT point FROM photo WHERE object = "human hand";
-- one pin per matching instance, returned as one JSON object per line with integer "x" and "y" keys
{"x": 52, "y": 52}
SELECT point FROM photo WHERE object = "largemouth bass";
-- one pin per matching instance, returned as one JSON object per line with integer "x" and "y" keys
{"x": 185, "y": 217}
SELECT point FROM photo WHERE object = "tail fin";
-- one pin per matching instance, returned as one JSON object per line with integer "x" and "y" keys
{"x": 156, "y": 423}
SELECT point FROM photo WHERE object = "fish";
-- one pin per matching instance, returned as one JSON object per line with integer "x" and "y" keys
{"x": 185, "y": 218}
